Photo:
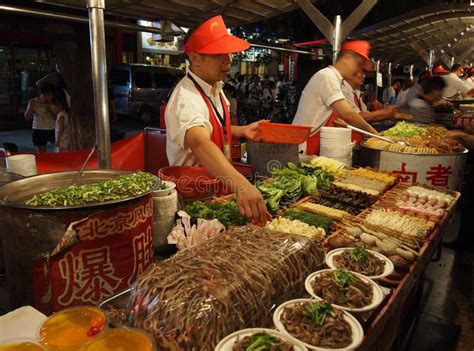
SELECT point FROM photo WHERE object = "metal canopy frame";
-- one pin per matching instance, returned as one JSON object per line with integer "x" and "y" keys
{"x": 436, "y": 28}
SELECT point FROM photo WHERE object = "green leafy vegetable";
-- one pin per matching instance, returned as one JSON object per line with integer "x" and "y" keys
{"x": 343, "y": 277}
{"x": 227, "y": 213}
{"x": 310, "y": 218}
{"x": 318, "y": 312}
{"x": 115, "y": 189}
{"x": 262, "y": 342}
{"x": 359, "y": 254}
{"x": 272, "y": 196}
{"x": 403, "y": 129}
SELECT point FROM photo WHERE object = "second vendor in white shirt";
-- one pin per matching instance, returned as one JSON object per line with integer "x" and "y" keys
{"x": 323, "y": 94}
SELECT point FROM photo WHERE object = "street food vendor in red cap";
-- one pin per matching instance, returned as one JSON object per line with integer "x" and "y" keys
{"x": 199, "y": 130}
{"x": 323, "y": 98}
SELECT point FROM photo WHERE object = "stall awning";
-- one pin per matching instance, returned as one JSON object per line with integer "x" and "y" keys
{"x": 443, "y": 28}
{"x": 189, "y": 13}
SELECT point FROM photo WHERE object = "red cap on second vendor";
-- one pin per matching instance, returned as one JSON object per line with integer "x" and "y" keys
{"x": 440, "y": 69}
{"x": 360, "y": 47}
{"x": 212, "y": 37}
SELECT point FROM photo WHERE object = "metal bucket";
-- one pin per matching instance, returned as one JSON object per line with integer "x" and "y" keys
{"x": 433, "y": 169}
{"x": 5, "y": 178}
{"x": 30, "y": 232}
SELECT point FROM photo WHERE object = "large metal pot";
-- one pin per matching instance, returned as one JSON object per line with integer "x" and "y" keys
{"x": 30, "y": 232}
{"x": 5, "y": 177}
{"x": 432, "y": 169}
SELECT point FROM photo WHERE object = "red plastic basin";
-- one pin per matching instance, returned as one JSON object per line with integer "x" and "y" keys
{"x": 279, "y": 133}
{"x": 191, "y": 182}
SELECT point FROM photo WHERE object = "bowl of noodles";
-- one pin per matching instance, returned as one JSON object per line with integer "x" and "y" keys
{"x": 259, "y": 339}
{"x": 347, "y": 290}
{"x": 318, "y": 325}
{"x": 369, "y": 263}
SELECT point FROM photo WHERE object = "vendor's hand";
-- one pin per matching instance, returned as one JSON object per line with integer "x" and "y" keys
{"x": 252, "y": 205}
{"x": 338, "y": 121}
{"x": 253, "y": 132}
{"x": 455, "y": 135}
{"x": 390, "y": 111}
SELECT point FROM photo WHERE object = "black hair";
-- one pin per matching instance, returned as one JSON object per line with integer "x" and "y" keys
{"x": 229, "y": 88}
{"x": 46, "y": 88}
{"x": 408, "y": 83}
{"x": 433, "y": 83}
{"x": 455, "y": 67}
{"x": 60, "y": 99}
{"x": 186, "y": 38}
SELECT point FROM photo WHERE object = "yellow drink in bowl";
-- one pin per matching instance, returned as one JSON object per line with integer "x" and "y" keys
{"x": 122, "y": 339}
{"x": 21, "y": 346}
{"x": 70, "y": 329}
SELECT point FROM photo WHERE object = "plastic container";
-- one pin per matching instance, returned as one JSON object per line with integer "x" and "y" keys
{"x": 377, "y": 298}
{"x": 279, "y": 133}
{"x": 122, "y": 338}
{"x": 165, "y": 190}
{"x": 24, "y": 164}
{"x": 356, "y": 328}
{"x": 227, "y": 344}
{"x": 191, "y": 182}
{"x": 21, "y": 345}
{"x": 388, "y": 269}
{"x": 72, "y": 328}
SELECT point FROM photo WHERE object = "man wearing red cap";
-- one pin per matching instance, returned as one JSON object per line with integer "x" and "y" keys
{"x": 199, "y": 130}
{"x": 323, "y": 96}
{"x": 455, "y": 85}
{"x": 440, "y": 71}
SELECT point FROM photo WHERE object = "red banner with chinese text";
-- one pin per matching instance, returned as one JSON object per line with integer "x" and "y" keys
{"x": 98, "y": 257}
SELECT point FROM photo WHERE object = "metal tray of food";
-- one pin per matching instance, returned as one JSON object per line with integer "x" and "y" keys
{"x": 16, "y": 193}
{"x": 115, "y": 307}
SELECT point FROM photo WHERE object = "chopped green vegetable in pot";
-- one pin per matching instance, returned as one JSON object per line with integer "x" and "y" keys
{"x": 359, "y": 254}
{"x": 115, "y": 189}
{"x": 318, "y": 312}
{"x": 227, "y": 213}
{"x": 343, "y": 277}
{"x": 262, "y": 342}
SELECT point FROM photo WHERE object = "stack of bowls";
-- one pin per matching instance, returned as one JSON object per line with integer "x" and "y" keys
{"x": 336, "y": 143}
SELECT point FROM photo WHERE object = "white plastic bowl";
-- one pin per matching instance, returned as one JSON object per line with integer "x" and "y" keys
{"x": 357, "y": 331}
{"x": 228, "y": 342}
{"x": 377, "y": 297}
{"x": 388, "y": 269}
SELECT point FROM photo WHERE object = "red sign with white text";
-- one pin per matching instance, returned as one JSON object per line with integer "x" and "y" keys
{"x": 98, "y": 257}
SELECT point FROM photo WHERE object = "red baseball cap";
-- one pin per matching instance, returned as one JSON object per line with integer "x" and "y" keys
{"x": 360, "y": 47}
{"x": 440, "y": 69}
{"x": 212, "y": 37}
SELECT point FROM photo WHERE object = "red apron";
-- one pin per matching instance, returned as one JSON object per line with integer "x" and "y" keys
{"x": 218, "y": 136}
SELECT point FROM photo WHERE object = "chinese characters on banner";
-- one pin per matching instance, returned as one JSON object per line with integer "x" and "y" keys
{"x": 113, "y": 248}
{"x": 440, "y": 170}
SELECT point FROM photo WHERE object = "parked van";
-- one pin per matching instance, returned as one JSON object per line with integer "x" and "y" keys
{"x": 139, "y": 90}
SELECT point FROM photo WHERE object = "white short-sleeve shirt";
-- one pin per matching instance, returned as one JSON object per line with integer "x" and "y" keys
{"x": 186, "y": 109}
{"x": 323, "y": 89}
{"x": 454, "y": 85}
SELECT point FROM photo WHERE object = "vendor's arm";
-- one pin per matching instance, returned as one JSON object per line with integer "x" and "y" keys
{"x": 379, "y": 115}
{"x": 30, "y": 110}
{"x": 252, "y": 132}
{"x": 249, "y": 199}
{"x": 462, "y": 137}
{"x": 345, "y": 111}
